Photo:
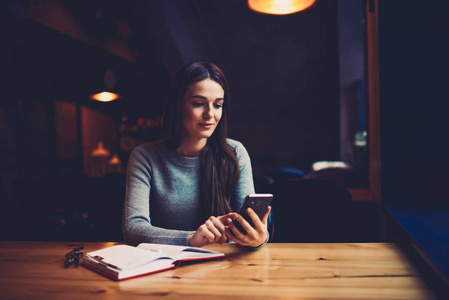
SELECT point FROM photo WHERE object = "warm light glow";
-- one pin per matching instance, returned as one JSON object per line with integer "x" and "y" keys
{"x": 105, "y": 97}
{"x": 319, "y": 165}
{"x": 279, "y": 7}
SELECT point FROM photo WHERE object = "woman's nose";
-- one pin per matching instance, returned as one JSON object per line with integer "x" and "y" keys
{"x": 208, "y": 112}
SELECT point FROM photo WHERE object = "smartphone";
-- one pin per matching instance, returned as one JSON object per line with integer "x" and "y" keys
{"x": 257, "y": 202}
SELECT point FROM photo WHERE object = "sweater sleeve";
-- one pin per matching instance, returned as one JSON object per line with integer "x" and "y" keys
{"x": 137, "y": 226}
{"x": 245, "y": 185}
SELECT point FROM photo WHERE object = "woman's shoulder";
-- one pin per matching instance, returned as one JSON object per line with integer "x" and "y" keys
{"x": 237, "y": 146}
{"x": 234, "y": 144}
{"x": 241, "y": 153}
{"x": 148, "y": 148}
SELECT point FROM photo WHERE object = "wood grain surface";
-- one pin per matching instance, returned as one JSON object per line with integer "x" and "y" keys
{"x": 34, "y": 270}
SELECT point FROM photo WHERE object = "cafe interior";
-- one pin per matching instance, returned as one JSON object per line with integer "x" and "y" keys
{"x": 342, "y": 107}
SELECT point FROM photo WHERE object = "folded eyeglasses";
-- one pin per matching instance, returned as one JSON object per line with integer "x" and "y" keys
{"x": 73, "y": 258}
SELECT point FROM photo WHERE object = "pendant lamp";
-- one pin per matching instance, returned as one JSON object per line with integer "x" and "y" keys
{"x": 107, "y": 95}
{"x": 279, "y": 7}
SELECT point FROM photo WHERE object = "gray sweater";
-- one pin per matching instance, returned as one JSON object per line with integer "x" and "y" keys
{"x": 162, "y": 202}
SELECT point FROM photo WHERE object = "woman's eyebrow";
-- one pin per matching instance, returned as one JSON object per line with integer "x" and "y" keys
{"x": 202, "y": 97}
{"x": 198, "y": 96}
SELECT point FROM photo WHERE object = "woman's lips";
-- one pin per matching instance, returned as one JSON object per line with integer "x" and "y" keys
{"x": 206, "y": 125}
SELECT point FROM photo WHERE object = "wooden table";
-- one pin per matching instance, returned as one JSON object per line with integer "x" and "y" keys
{"x": 34, "y": 270}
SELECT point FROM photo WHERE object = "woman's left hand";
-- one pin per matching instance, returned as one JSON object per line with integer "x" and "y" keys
{"x": 255, "y": 236}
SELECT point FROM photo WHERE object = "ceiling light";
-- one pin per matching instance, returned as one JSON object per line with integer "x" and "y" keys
{"x": 109, "y": 84}
{"x": 279, "y": 7}
{"x": 105, "y": 96}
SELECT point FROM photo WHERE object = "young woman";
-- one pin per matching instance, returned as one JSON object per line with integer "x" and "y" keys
{"x": 184, "y": 188}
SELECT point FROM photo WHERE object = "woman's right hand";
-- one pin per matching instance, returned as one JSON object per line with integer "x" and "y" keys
{"x": 212, "y": 231}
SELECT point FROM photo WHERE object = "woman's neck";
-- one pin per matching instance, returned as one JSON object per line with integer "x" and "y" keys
{"x": 191, "y": 148}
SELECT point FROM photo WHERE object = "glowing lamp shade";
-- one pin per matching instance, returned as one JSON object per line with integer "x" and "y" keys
{"x": 105, "y": 97}
{"x": 109, "y": 85}
{"x": 279, "y": 7}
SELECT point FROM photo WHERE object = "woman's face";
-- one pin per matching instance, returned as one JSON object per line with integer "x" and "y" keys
{"x": 201, "y": 110}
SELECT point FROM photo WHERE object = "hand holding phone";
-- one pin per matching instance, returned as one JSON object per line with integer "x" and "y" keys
{"x": 258, "y": 203}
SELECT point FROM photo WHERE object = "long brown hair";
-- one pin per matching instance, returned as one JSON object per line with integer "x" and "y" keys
{"x": 220, "y": 170}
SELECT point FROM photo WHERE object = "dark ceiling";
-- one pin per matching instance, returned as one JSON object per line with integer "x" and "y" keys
{"x": 286, "y": 57}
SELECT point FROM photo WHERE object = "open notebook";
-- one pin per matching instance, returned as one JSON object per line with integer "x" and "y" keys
{"x": 122, "y": 261}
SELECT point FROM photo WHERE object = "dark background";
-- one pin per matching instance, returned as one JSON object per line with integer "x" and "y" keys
{"x": 414, "y": 94}
{"x": 296, "y": 81}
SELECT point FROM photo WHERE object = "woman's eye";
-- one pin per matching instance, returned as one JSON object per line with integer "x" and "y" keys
{"x": 218, "y": 105}
{"x": 197, "y": 104}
